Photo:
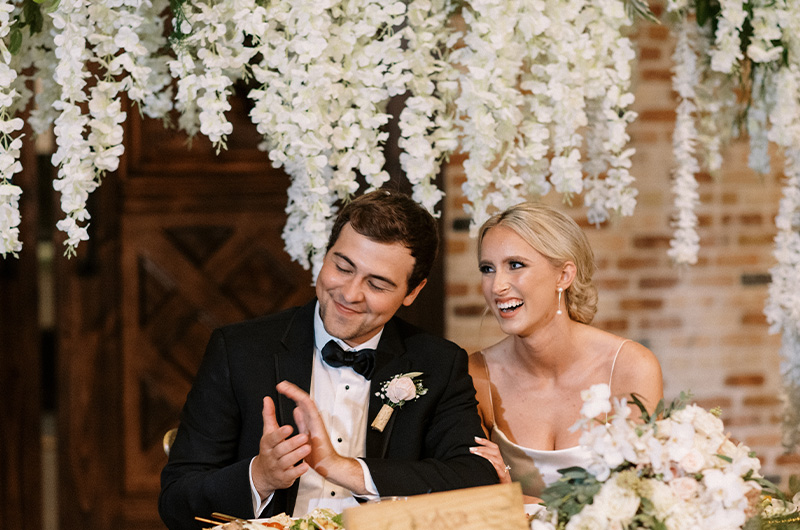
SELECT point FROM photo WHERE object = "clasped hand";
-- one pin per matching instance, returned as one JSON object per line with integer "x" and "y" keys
{"x": 276, "y": 466}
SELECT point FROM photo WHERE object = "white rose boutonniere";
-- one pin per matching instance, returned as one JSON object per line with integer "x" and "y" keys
{"x": 394, "y": 393}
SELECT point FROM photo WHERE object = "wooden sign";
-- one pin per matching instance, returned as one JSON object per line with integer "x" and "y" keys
{"x": 486, "y": 507}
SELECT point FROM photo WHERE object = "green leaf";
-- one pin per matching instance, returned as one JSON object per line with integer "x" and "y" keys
{"x": 15, "y": 41}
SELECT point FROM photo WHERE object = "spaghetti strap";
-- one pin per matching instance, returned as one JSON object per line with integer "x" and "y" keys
{"x": 613, "y": 364}
{"x": 482, "y": 358}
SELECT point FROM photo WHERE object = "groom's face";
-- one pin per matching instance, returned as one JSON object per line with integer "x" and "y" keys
{"x": 362, "y": 284}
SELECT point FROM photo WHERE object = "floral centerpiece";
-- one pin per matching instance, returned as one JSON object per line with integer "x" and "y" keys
{"x": 673, "y": 469}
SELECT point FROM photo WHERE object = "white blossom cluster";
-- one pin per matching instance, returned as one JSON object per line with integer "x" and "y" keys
{"x": 528, "y": 90}
{"x": 770, "y": 106}
{"x": 681, "y": 470}
{"x": 326, "y": 72}
{"x": 783, "y": 305}
{"x": 685, "y": 243}
{"x": 516, "y": 96}
{"x": 208, "y": 61}
{"x": 112, "y": 35}
{"x": 9, "y": 145}
{"x": 427, "y": 129}
{"x": 709, "y": 66}
{"x": 706, "y": 74}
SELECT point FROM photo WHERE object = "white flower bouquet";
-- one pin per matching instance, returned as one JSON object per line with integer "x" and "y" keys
{"x": 673, "y": 469}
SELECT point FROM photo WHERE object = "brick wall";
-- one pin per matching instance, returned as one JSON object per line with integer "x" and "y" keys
{"x": 705, "y": 323}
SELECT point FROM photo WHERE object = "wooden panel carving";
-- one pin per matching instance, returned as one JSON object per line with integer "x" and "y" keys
{"x": 184, "y": 275}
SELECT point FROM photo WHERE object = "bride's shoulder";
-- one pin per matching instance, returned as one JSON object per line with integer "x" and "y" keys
{"x": 636, "y": 369}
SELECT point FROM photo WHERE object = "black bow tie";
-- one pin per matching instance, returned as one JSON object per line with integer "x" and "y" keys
{"x": 362, "y": 361}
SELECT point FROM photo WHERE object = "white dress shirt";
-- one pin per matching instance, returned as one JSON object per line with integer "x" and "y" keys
{"x": 342, "y": 398}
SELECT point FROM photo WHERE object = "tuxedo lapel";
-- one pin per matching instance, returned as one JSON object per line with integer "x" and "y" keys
{"x": 389, "y": 361}
{"x": 295, "y": 362}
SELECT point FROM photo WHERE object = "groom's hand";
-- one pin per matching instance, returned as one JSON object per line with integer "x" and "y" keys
{"x": 323, "y": 458}
{"x": 274, "y": 468}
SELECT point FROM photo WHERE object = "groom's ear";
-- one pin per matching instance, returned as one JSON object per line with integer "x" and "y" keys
{"x": 410, "y": 297}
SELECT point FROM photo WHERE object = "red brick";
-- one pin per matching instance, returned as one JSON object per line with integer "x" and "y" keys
{"x": 615, "y": 325}
{"x": 612, "y": 284}
{"x": 665, "y": 115}
{"x": 704, "y": 177}
{"x": 754, "y": 319}
{"x": 716, "y": 281}
{"x": 741, "y": 421}
{"x": 655, "y": 75}
{"x": 763, "y": 439}
{"x": 657, "y": 283}
{"x": 745, "y": 380}
{"x": 751, "y": 219}
{"x": 742, "y": 339}
{"x": 712, "y": 402}
{"x": 641, "y": 303}
{"x": 455, "y": 246}
{"x": 765, "y": 400}
{"x": 643, "y": 137}
{"x": 761, "y": 239}
{"x": 706, "y": 197}
{"x": 704, "y": 220}
{"x": 649, "y": 53}
{"x": 660, "y": 32}
{"x": 456, "y": 289}
{"x": 738, "y": 259}
{"x": 470, "y": 310}
{"x": 788, "y": 459}
{"x": 729, "y": 198}
{"x": 651, "y": 241}
{"x": 636, "y": 263}
{"x": 661, "y": 323}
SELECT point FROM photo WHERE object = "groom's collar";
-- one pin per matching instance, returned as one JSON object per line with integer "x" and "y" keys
{"x": 321, "y": 336}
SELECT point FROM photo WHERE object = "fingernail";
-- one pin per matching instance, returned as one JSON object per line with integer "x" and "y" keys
{"x": 473, "y": 449}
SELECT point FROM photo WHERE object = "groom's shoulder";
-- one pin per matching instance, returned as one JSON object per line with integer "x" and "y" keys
{"x": 270, "y": 324}
{"x": 415, "y": 337}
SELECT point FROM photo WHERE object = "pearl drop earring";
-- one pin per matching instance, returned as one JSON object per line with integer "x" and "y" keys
{"x": 560, "y": 290}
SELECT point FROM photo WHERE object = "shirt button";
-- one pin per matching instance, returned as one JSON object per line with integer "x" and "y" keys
{"x": 339, "y": 440}
{"x": 347, "y": 387}
{"x": 333, "y": 494}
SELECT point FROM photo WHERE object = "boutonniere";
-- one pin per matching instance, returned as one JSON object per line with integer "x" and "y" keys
{"x": 394, "y": 393}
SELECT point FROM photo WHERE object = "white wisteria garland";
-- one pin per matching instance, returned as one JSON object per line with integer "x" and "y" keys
{"x": 517, "y": 98}
{"x": 9, "y": 145}
{"x": 759, "y": 42}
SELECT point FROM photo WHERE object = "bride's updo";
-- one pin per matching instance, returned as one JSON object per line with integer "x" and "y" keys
{"x": 559, "y": 239}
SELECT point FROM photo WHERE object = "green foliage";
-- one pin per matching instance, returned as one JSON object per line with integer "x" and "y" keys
{"x": 178, "y": 19}
{"x": 640, "y": 8}
{"x": 570, "y": 493}
{"x": 30, "y": 17}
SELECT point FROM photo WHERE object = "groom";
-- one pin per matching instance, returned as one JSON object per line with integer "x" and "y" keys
{"x": 278, "y": 419}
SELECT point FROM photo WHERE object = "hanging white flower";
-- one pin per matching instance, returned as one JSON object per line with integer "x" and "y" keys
{"x": 685, "y": 243}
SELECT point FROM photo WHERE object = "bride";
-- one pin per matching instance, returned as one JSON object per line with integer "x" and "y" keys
{"x": 536, "y": 266}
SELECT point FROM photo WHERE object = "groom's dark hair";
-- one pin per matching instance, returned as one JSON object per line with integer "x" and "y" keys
{"x": 393, "y": 217}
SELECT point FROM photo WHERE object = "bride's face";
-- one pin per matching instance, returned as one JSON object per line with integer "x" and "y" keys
{"x": 519, "y": 284}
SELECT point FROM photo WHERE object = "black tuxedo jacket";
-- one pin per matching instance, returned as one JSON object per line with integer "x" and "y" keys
{"x": 424, "y": 448}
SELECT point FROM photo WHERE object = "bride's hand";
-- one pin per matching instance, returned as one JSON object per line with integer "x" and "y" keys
{"x": 491, "y": 452}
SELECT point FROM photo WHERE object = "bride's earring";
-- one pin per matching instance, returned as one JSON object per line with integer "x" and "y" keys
{"x": 560, "y": 290}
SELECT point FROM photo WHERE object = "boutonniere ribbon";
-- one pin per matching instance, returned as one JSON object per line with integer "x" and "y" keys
{"x": 394, "y": 393}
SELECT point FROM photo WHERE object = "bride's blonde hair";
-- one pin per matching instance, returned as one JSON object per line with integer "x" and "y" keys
{"x": 559, "y": 239}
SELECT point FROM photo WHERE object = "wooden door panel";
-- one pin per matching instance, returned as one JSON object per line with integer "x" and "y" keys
{"x": 178, "y": 287}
